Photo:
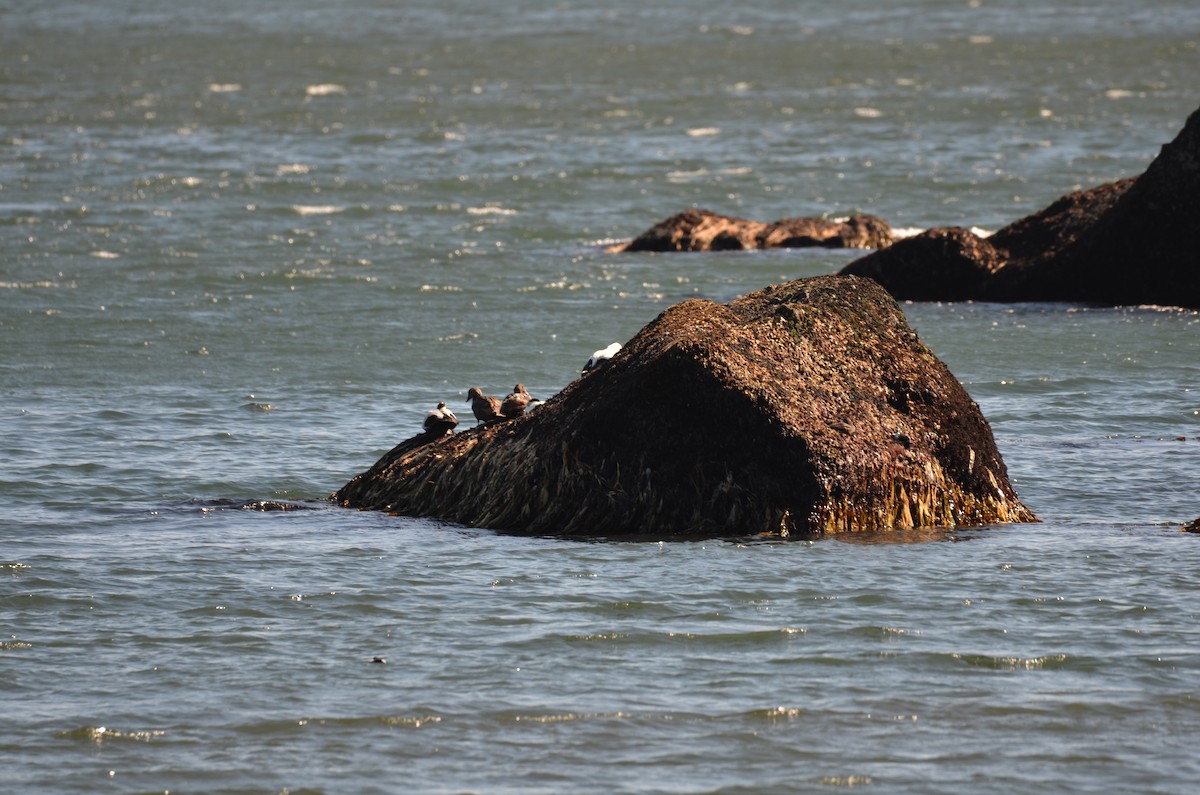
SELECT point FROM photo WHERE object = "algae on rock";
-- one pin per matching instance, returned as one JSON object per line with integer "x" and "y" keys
{"x": 810, "y": 407}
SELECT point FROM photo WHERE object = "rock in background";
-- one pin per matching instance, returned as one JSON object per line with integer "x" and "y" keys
{"x": 703, "y": 230}
{"x": 1135, "y": 241}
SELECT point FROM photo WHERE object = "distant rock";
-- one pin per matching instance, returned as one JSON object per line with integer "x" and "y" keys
{"x": 703, "y": 230}
{"x": 810, "y": 407}
{"x": 1135, "y": 241}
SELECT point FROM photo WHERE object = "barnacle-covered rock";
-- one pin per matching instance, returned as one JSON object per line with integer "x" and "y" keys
{"x": 810, "y": 407}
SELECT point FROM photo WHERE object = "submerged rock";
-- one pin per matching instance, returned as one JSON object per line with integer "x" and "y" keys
{"x": 1135, "y": 241}
{"x": 810, "y": 407}
{"x": 703, "y": 230}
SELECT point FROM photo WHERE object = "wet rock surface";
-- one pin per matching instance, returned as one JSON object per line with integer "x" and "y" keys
{"x": 810, "y": 407}
{"x": 1134, "y": 241}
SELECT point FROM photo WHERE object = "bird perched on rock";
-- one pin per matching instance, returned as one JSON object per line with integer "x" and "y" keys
{"x": 485, "y": 407}
{"x": 514, "y": 405}
{"x": 601, "y": 356}
{"x": 441, "y": 420}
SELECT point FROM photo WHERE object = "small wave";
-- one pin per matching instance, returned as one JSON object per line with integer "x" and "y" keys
{"x": 208, "y": 506}
{"x": 703, "y": 132}
{"x": 490, "y": 210}
{"x": 846, "y": 781}
{"x": 606, "y": 242}
{"x": 415, "y": 722}
{"x": 566, "y": 717}
{"x": 879, "y": 631}
{"x": 324, "y": 90}
{"x": 106, "y": 255}
{"x": 868, "y": 113}
{"x": 754, "y": 638}
{"x": 561, "y": 284}
{"x": 283, "y": 726}
{"x": 599, "y": 636}
{"x": 317, "y": 209}
{"x": 1003, "y": 663}
{"x": 1166, "y": 310}
{"x": 38, "y": 285}
{"x": 778, "y": 714}
{"x": 285, "y": 169}
{"x": 224, "y": 88}
{"x": 100, "y": 734}
{"x": 412, "y": 721}
{"x": 737, "y": 30}
{"x": 686, "y": 176}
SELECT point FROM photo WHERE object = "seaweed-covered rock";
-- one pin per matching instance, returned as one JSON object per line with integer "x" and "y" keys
{"x": 703, "y": 230}
{"x": 943, "y": 264}
{"x": 1135, "y": 241}
{"x": 810, "y": 407}
{"x": 1014, "y": 264}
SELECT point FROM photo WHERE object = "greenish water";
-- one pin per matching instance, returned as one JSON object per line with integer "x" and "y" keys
{"x": 245, "y": 247}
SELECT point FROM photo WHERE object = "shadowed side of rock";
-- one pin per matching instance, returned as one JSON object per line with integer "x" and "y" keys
{"x": 944, "y": 264}
{"x": 806, "y": 408}
{"x": 1134, "y": 241}
{"x": 703, "y": 230}
{"x": 1145, "y": 249}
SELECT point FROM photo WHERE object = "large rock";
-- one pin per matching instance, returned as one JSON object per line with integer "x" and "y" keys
{"x": 1135, "y": 241}
{"x": 703, "y": 230}
{"x": 810, "y": 407}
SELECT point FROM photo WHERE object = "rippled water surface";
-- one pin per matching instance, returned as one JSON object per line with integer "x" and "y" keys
{"x": 244, "y": 247}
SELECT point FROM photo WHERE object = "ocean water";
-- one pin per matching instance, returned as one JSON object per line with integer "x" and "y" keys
{"x": 245, "y": 246}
